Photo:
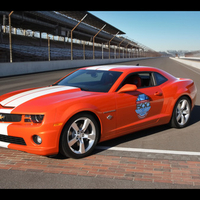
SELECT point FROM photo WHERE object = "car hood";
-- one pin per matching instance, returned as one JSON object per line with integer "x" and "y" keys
{"x": 39, "y": 98}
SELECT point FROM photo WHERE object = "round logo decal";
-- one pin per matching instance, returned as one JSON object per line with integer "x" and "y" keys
{"x": 142, "y": 106}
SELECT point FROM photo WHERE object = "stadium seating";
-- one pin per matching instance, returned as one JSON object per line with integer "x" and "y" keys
{"x": 35, "y": 49}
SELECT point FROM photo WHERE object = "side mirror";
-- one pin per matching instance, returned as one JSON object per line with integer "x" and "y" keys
{"x": 127, "y": 88}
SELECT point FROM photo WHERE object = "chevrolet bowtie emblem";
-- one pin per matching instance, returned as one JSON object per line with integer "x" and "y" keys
{"x": 2, "y": 117}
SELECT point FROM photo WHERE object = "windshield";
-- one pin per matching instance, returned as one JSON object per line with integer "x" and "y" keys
{"x": 91, "y": 80}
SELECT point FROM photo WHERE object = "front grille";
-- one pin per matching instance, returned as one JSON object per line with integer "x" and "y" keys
{"x": 12, "y": 139}
{"x": 10, "y": 117}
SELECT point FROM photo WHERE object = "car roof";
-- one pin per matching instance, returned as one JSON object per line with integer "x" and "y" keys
{"x": 121, "y": 68}
{"x": 130, "y": 69}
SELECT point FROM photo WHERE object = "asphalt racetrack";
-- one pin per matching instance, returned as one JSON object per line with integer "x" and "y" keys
{"x": 157, "y": 138}
{"x": 163, "y": 137}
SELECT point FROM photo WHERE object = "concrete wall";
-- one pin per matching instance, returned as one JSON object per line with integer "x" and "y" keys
{"x": 18, "y": 68}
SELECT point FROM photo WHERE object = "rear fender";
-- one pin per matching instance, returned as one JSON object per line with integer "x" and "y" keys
{"x": 184, "y": 87}
{"x": 189, "y": 90}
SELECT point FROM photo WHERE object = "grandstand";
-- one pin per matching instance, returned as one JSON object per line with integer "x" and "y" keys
{"x": 47, "y": 35}
{"x": 193, "y": 54}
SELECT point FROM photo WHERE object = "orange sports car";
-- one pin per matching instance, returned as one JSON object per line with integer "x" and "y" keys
{"x": 91, "y": 105}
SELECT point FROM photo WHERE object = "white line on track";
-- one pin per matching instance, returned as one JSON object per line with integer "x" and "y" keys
{"x": 186, "y": 66}
{"x": 190, "y": 67}
{"x": 192, "y": 153}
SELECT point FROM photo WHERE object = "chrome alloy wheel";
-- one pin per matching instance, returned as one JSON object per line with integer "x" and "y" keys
{"x": 183, "y": 112}
{"x": 81, "y": 135}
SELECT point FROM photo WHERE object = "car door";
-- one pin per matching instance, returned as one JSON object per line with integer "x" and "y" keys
{"x": 125, "y": 111}
{"x": 141, "y": 108}
{"x": 153, "y": 103}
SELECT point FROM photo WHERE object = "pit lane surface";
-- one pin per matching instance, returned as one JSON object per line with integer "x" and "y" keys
{"x": 159, "y": 138}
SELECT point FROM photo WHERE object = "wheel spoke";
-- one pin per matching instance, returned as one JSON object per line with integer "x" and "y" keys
{"x": 178, "y": 117}
{"x": 179, "y": 107}
{"x": 187, "y": 117}
{"x": 86, "y": 124}
{"x": 75, "y": 127}
{"x": 183, "y": 104}
{"x": 89, "y": 136}
{"x": 82, "y": 146}
{"x": 72, "y": 141}
{"x": 186, "y": 112}
{"x": 182, "y": 119}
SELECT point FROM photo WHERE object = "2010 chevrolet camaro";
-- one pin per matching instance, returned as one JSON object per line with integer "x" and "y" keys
{"x": 91, "y": 105}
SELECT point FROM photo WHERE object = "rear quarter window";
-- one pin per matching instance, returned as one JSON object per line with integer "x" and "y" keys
{"x": 160, "y": 79}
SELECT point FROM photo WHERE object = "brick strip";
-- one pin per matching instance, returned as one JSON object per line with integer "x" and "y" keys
{"x": 114, "y": 167}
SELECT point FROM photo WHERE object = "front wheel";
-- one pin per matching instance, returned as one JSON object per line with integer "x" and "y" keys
{"x": 79, "y": 136}
{"x": 181, "y": 113}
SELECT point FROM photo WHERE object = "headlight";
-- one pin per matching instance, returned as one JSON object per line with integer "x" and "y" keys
{"x": 34, "y": 118}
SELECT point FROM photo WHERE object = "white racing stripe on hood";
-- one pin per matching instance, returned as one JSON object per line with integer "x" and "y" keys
{"x": 5, "y": 101}
{"x": 23, "y": 97}
{"x": 6, "y": 110}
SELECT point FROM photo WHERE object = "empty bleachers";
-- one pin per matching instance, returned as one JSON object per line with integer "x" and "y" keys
{"x": 26, "y": 48}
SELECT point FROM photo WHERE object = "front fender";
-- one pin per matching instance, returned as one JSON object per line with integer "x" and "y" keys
{"x": 64, "y": 114}
{"x": 74, "y": 109}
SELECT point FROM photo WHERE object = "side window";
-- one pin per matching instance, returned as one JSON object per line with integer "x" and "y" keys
{"x": 147, "y": 79}
{"x": 140, "y": 79}
{"x": 160, "y": 79}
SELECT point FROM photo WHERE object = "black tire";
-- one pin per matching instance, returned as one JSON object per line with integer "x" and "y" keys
{"x": 79, "y": 136}
{"x": 181, "y": 113}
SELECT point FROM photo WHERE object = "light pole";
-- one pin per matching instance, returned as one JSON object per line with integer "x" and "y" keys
{"x": 110, "y": 41}
{"x": 72, "y": 37}
{"x": 94, "y": 38}
{"x": 10, "y": 41}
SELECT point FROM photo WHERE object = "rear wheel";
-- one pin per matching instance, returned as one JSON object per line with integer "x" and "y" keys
{"x": 79, "y": 136}
{"x": 181, "y": 113}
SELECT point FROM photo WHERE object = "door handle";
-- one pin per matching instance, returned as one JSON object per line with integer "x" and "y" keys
{"x": 158, "y": 93}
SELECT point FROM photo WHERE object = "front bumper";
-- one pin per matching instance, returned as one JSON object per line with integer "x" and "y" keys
{"x": 20, "y": 137}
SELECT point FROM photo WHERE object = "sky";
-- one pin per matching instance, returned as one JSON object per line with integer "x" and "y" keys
{"x": 159, "y": 30}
